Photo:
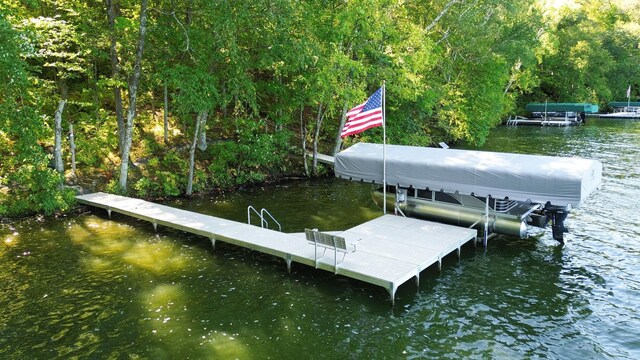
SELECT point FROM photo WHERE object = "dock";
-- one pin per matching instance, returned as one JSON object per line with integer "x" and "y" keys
{"x": 322, "y": 158}
{"x": 543, "y": 122}
{"x": 387, "y": 251}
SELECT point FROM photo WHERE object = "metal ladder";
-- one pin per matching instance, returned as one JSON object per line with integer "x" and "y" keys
{"x": 264, "y": 223}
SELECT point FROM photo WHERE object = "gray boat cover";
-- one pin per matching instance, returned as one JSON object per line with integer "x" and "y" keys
{"x": 540, "y": 179}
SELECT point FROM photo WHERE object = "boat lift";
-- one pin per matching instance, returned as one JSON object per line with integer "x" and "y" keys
{"x": 495, "y": 193}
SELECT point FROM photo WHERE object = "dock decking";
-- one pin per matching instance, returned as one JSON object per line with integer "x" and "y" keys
{"x": 322, "y": 158}
{"x": 390, "y": 250}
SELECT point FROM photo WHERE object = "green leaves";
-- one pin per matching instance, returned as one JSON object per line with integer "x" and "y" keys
{"x": 590, "y": 54}
{"x": 267, "y": 71}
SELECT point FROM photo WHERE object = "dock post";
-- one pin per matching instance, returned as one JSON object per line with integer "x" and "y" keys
{"x": 288, "y": 260}
{"x": 155, "y": 226}
{"x": 213, "y": 242}
{"x": 109, "y": 211}
{"x": 418, "y": 281}
{"x": 392, "y": 291}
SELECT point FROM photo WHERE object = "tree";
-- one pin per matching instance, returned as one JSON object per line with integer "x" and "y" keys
{"x": 112, "y": 14}
{"x": 482, "y": 48}
{"x": 27, "y": 184}
{"x": 55, "y": 50}
{"x": 589, "y": 54}
{"x": 133, "y": 93}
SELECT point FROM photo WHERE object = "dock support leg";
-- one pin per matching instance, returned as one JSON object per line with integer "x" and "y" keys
{"x": 418, "y": 281}
{"x": 213, "y": 242}
{"x": 289, "y": 261}
{"x": 155, "y": 226}
{"x": 109, "y": 212}
{"x": 392, "y": 292}
{"x": 459, "y": 253}
{"x": 439, "y": 264}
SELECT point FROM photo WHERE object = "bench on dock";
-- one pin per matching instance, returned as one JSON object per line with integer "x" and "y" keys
{"x": 328, "y": 241}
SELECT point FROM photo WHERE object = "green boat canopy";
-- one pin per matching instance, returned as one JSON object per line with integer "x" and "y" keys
{"x": 622, "y": 104}
{"x": 556, "y": 107}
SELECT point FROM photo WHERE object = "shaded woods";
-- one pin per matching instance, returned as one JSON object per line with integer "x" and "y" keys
{"x": 168, "y": 98}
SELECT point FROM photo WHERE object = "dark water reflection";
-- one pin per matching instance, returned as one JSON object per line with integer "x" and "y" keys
{"x": 90, "y": 287}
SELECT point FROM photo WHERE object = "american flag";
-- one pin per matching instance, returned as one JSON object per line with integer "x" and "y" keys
{"x": 364, "y": 116}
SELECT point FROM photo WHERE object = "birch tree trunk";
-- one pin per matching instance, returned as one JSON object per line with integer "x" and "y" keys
{"x": 57, "y": 152}
{"x": 115, "y": 72}
{"x": 514, "y": 76}
{"x": 343, "y": 120}
{"x": 303, "y": 134}
{"x": 201, "y": 119}
{"x": 442, "y": 13}
{"x": 72, "y": 148}
{"x": 202, "y": 137}
{"x": 133, "y": 88}
{"x": 316, "y": 136}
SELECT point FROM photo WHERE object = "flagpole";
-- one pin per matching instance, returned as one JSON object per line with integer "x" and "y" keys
{"x": 384, "y": 149}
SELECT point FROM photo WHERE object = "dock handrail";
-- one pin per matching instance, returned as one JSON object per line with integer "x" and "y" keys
{"x": 249, "y": 209}
{"x": 263, "y": 221}
{"x": 264, "y": 211}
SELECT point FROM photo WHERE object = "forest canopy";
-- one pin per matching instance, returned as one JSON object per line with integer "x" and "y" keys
{"x": 159, "y": 98}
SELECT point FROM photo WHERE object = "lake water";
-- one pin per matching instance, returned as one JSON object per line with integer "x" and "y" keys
{"x": 89, "y": 287}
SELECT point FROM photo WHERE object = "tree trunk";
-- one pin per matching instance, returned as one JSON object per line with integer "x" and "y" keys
{"x": 112, "y": 13}
{"x": 57, "y": 152}
{"x": 201, "y": 119}
{"x": 316, "y": 137}
{"x": 166, "y": 114}
{"x": 133, "y": 88}
{"x": 72, "y": 148}
{"x": 343, "y": 120}
{"x": 514, "y": 76}
{"x": 303, "y": 132}
{"x": 442, "y": 13}
{"x": 202, "y": 136}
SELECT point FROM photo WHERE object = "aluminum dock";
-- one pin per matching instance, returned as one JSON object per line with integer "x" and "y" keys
{"x": 543, "y": 122}
{"x": 387, "y": 251}
{"x": 322, "y": 158}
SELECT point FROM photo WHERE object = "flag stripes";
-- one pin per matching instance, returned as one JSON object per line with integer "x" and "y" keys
{"x": 364, "y": 116}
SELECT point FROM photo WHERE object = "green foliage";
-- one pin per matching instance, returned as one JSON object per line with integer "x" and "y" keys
{"x": 27, "y": 185}
{"x": 37, "y": 189}
{"x": 264, "y": 70}
{"x": 589, "y": 54}
{"x": 163, "y": 176}
{"x": 255, "y": 157}
{"x": 53, "y": 43}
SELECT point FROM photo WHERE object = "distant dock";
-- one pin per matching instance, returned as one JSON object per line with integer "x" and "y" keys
{"x": 322, "y": 158}
{"x": 387, "y": 251}
{"x": 543, "y": 121}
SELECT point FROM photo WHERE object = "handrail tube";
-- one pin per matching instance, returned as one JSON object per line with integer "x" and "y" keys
{"x": 265, "y": 211}
{"x": 257, "y": 213}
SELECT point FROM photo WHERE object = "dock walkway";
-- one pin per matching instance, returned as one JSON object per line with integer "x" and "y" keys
{"x": 390, "y": 250}
{"x": 322, "y": 158}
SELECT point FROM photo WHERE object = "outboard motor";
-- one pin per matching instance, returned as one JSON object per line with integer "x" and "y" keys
{"x": 557, "y": 215}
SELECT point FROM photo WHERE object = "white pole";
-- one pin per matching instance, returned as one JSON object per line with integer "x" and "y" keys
{"x": 384, "y": 150}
